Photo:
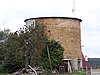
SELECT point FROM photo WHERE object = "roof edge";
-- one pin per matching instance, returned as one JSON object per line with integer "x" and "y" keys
{"x": 53, "y": 17}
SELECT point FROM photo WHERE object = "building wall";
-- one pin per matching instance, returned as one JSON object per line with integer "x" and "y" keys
{"x": 66, "y": 31}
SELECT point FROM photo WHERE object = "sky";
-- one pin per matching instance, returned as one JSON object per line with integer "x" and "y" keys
{"x": 14, "y": 12}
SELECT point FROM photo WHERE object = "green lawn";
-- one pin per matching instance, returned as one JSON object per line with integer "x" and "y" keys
{"x": 78, "y": 73}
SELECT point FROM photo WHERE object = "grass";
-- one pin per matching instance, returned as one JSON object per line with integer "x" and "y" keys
{"x": 78, "y": 73}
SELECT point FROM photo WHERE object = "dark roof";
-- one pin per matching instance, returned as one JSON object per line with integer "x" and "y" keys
{"x": 54, "y": 17}
{"x": 85, "y": 63}
{"x": 94, "y": 59}
{"x": 95, "y": 62}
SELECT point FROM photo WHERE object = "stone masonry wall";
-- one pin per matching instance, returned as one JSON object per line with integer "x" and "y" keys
{"x": 66, "y": 31}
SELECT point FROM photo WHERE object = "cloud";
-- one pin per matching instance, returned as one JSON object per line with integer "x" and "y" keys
{"x": 88, "y": 11}
{"x": 11, "y": 9}
{"x": 14, "y": 24}
{"x": 91, "y": 42}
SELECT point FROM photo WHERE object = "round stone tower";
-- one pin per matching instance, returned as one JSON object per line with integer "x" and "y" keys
{"x": 65, "y": 30}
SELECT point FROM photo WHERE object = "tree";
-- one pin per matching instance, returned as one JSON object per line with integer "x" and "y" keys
{"x": 31, "y": 38}
{"x": 3, "y": 37}
{"x": 4, "y": 34}
{"x": 12, "y": 59}
{"x": 23, "y": 47}
{"x": 18, "y": 48}
{"x": 56, "y": 55}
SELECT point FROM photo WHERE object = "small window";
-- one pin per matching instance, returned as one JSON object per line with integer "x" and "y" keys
{"x": 32, "y": 24}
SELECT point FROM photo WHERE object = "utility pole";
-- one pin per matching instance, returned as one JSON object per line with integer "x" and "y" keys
{"x": 26, "y": 56}
{"x": 49, "y": 58}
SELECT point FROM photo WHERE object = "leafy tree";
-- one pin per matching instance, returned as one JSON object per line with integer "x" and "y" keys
{"x": 18, "y": 48}
{"x": 22, "y": 47}
{"x": 12, "y": 60}
{"x": 3, "y": 37}
{"x": 34, "y": 37}
{"x": 55, "y": 51}
{"x": 4, "y": 34}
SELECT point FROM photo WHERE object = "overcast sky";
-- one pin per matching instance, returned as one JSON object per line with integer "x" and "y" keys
{"x": 14, "y": 12}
